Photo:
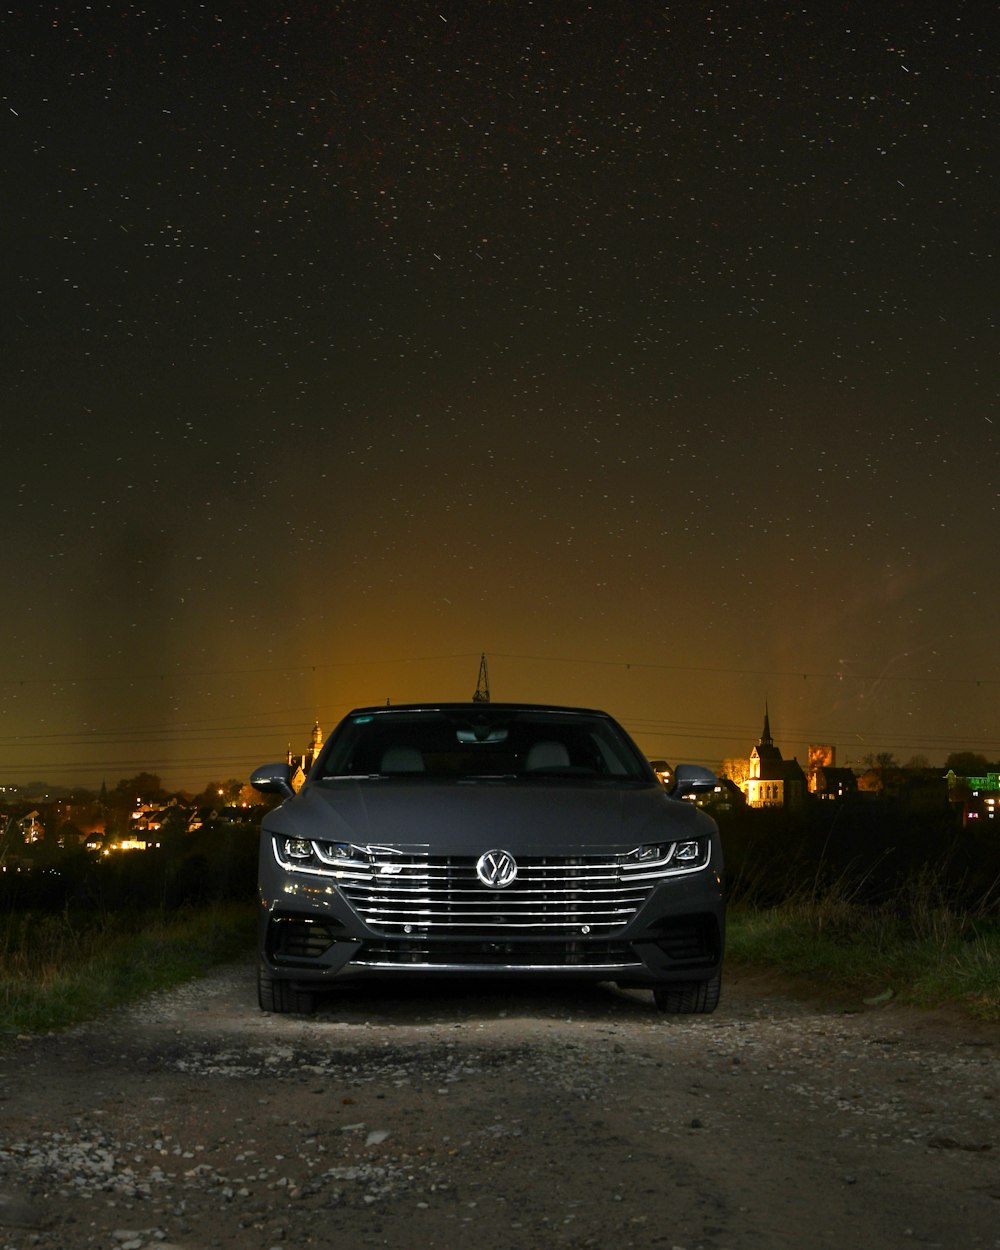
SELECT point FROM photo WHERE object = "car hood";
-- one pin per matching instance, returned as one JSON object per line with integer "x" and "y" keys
{"x": 466, "y": 818}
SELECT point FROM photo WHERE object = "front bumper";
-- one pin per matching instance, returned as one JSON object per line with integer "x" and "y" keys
{"x": 310, "y": 934}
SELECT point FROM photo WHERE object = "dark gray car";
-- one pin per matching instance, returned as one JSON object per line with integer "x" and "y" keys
{"x": 483, "y": 840}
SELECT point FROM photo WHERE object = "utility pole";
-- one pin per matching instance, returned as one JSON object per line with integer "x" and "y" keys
{"x": 482, "y": 694}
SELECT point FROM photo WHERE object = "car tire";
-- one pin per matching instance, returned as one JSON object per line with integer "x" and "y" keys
{"x": 281, "y": 997}
{"x": 698, "y": 998}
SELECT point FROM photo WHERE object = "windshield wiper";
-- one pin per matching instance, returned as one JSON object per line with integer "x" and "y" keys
{"x": 351, "y": 776}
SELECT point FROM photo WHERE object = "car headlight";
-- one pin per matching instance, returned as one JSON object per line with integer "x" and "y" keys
{"x": 332, "y": 859}
{"x": 651, "y": 853}
{"x": 668, "y": 857}
{"x": 342, "y": 854}
{"x": 297, "y": 848}
{"x": 687, "y": 852}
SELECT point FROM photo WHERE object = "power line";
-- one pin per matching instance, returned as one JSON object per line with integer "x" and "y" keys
{"x": 257, "y": 726}
{"x": 796, "y": 674}
{"x": 241, "y": 730}
{"x": 181, "y": 674}
{"x": 201, "y": 674}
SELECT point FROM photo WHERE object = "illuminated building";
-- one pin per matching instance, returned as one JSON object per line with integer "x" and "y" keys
{"x": 300, "y": 764}
{"x": 773, "y": 781}
{"x": 826, "y": 780}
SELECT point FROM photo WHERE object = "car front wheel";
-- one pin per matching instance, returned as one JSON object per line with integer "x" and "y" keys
{"x": 697, "y": 998}
{"x": 282, "y": 996}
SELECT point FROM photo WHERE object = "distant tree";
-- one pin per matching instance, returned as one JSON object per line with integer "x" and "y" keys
{"x": 248, "y": 796}
{"x": 220, "y": 793}
{"x": 173, "y": 831}
{"x": 883, "y": 761}
{"x": 144, "y": 786}
{"x": 68, "y": 835}
{"x": 79, "y": 796}
{"x": 174, "y": 821}
{"x": 212, "y": 796}
{"x": 967, "y": 764}
{"x": 9, "y": 838}
{"x": 917, "y": 763}
{"x": 232, "y": 789}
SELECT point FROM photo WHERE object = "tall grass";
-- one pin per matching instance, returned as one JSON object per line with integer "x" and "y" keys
{"x": 918, "y": 943}
{"x": 57, "y": 969}
{"x": 921, "y": 938}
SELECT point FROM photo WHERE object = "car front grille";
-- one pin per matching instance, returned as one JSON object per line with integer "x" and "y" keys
{"x": 582, "y": 896}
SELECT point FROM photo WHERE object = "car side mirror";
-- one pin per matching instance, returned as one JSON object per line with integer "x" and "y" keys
{"x": 693, "y": 779}
{"x": 273, "y": 779}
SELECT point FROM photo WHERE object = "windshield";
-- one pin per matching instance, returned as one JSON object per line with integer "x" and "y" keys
{"x": 486, "y": 743}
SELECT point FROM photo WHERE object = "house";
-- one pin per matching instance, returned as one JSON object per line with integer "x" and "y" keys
{"x": 726, "y": 797}
{"x": 833, "y": 783}
{"x": 772, "y": 780}
{"x": 31, "y": 828}
{"x": 978, "y": 798}
{"x": 825, "y": 779}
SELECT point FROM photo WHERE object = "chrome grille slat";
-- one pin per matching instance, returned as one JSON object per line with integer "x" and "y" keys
{"x": 488, "y": 915}
{"x": 441, "y": 895}
{"x": 522, "y": 956}
{"x": 375, "y": 889}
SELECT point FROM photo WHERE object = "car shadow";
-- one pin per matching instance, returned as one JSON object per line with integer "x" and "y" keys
{"x": 388, "y": 1000}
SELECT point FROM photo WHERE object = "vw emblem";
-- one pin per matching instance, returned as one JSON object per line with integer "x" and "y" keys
{"x": 496, "y": 869}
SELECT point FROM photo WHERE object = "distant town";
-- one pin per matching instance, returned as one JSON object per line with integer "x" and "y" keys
{"x": 38, "y": 824}
{"x": 968, "y": 782}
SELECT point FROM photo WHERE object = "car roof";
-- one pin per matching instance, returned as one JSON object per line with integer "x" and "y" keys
{"x": 472, "y": 708}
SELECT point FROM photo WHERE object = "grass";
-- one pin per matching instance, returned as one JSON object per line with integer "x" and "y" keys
{"x": 913, "y": 947}
{"x": 59, "y": 969}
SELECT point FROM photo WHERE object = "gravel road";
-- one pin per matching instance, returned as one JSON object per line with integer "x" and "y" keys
{"x": 507, "y": 1118}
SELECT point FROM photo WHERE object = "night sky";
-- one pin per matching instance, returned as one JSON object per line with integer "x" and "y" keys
{"x": 650, "y": 349}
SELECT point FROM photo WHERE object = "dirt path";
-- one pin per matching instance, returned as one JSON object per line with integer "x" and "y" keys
{"x": 507, "y": 1119}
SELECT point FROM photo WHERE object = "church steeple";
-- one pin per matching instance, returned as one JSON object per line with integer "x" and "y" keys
{"x": 765, "y": 739}
{"x": 765, "y": 755}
